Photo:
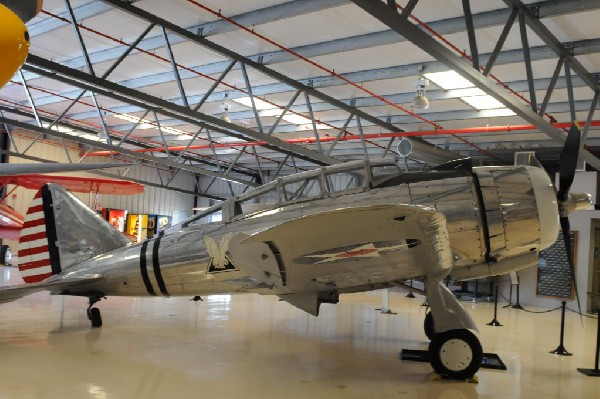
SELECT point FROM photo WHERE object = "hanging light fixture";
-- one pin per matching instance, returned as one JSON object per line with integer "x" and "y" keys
{"x": 420, "y": 101}
{"x": 225, "y": 109}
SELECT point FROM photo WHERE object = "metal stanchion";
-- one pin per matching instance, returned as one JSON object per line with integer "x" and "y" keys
{"x": 560, "y": 350}
{"x": 595, "y": 372}
{"x": 509, "y": 304}
{"x": 385, "y": 305}
{"x": 518, "y": 304}
{"x": 410, "y": 293}
{"x": 495, "y": 322}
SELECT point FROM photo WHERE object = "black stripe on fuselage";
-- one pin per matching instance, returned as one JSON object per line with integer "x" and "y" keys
{"x": 156, "y": 267}
{"x": 51, "y": 230}
{"x": 144, "y": 269}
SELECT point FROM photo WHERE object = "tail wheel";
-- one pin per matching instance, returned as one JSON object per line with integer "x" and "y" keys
{"x": 5, "y": 255}
{"x": 456, "y": 354}
{"x": 429, "y": 326}
{"x": 95, "y": 317}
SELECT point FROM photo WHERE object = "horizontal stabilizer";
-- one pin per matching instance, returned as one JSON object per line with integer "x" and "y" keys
{"x": 12, "y": 293}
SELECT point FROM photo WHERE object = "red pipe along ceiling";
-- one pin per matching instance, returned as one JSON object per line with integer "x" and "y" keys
{"x": 311, "y": 140}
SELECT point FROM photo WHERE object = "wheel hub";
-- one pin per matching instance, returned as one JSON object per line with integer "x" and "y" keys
{"x": 456, "y": 354}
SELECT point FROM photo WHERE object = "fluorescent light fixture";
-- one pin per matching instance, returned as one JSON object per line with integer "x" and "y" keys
{"x": 130, "y": 118}
{"x": 148, "y": 124}
{"x": 483, "y": 102}
{"x": 247, "y": 102}
{"x": 296, "y": 119}
{"x": 145, "y": 126}
{"x": 74, "y": 133}
{"x": 467, "y": 92}
{"x": 266, "y": 109}
{"x": 92, "y": 137}
{"x": 498, "y": 112}
{"x": 303, "y": 121}
{"x": 270, "y": 112}
{"x": 58, "y": 128}
{"x": 172, "y": 130}
{"x": 448, "y": 80}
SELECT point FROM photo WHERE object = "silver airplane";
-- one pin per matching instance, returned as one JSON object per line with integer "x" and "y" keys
{"x": 309, "y": 237}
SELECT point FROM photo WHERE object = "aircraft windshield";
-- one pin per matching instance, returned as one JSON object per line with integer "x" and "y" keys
{"x": 526, "y": 158}
{"x": 333, "y": 180}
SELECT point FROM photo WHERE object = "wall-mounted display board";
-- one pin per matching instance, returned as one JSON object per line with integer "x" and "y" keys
{"x": 554, "y": 275}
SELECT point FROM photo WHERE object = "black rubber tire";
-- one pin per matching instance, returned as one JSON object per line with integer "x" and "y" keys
{"x": 95, "y": 317}
{"x": 429, "y": 325}
{"x": 4, "y": 251}
{"x": 446, "y": 345}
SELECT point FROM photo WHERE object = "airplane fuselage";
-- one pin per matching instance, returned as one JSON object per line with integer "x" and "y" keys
{"x": 492, "y": 216}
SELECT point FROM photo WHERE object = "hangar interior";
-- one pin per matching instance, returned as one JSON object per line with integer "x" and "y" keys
{"x": 202, "y": 101}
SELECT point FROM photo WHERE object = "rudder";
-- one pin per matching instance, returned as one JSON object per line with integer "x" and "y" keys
{"x": 59, "y": 232}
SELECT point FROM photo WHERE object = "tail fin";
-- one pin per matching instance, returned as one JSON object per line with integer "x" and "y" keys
{"x": 59, "y": 232}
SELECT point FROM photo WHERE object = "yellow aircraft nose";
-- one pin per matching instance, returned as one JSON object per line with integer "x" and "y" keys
{"x": 14, "y": 44}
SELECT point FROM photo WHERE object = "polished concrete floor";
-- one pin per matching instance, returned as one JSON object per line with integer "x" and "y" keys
{"x": 249, "y": 346}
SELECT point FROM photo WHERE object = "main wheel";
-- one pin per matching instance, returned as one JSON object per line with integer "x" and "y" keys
{"x": 429, "y": 326}
{"x": 5, "y": 255}
{"x": 95, "y": 317}
{"x": 455, "y": 354}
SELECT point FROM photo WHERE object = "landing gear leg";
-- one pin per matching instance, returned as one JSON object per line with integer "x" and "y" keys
{"x": 454, "y": 351}
{"x": 429, "y": 326}
{"x": 94, "y": 313}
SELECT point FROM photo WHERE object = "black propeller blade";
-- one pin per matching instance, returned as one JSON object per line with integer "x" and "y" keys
{"x": 568, "y": 164}
{"x": 566, "y": 232}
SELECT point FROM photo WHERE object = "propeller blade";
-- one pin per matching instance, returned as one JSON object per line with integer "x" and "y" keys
{"x": 568, "y": 162}
{"x": 566, "y": 230}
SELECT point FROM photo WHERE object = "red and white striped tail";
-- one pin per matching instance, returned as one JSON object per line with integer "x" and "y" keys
{"x": 35, "y": 242}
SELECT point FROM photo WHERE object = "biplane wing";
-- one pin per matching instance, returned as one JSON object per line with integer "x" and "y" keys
{"x": 11, "y": 169}
{"x": 77, "y": 184}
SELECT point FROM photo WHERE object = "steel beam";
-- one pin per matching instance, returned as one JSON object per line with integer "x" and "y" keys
{"x": 112, "y": 90}
{"x": 549, "y": 38}
{"x": 428, "y": 44}
{"x": 430, "y": 153}
{"x": 364, "y": 102}
{"x": 527, "y": 57}
{"x": 471, "y": 33}
{"x": 500, "y": 43}
{"x": 546, "y": 9}
{"x": 588, "y": 46}
{"x": 133, "y": 154}
{"x": 276, "y": 12}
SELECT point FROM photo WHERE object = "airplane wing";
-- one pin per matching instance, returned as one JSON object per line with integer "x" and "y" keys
{"x": 351, "y": 247}
{"x": 78, "y": 184}
{"x": 59, "y": 285}
{"x": 11, "y": 169}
